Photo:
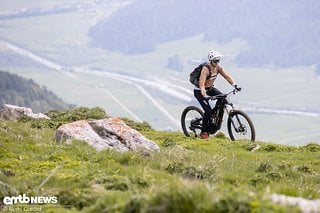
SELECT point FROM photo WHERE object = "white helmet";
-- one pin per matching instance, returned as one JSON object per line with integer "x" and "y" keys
{"x": 214, "y": 55}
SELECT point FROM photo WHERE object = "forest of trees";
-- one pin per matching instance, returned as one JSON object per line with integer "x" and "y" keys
{"x": 280, "y": 33}
{"x": 25, "y": 92}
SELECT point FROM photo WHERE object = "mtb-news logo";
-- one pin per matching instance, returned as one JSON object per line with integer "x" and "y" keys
{"x": 24, "y": 200}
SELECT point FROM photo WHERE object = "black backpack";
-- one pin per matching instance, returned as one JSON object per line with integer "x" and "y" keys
{"x": 195, "y": 74}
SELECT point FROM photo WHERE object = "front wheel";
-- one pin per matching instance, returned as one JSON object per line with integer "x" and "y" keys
{"x": 191, "y": 121}
{"x": 240, "y": 126}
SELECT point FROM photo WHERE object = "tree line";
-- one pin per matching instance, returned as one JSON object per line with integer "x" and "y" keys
{"x": 280, "y": 33}
{"x": 26, "y": 93}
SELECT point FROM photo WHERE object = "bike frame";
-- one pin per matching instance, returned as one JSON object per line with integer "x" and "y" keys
{"x": 219, "y": 112}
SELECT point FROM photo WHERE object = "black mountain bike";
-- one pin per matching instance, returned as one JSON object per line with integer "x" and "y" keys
{"x": 240, "y": 126}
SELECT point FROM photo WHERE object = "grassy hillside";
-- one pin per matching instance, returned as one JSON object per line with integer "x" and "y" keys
{"x": 187, "y": 175}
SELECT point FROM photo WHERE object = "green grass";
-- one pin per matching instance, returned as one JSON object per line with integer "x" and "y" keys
{"x": 187, "y": 175}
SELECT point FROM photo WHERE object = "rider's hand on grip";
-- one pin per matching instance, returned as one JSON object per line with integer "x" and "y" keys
{"x": 237, "y": 87}
{"x": 207, "y": 97}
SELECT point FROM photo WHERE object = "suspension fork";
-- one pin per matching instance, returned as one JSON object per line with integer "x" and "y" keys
{"x": 239, "y": 128}
{"x": 229, "y": 111}
{"x": 230, "y": 108}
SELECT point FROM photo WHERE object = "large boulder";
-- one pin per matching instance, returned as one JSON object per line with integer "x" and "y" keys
{"x": 12, "y": 112}
{"x": 109, "y": 133}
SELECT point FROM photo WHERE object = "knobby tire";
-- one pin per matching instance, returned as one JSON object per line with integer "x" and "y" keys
{"x": 185, "y": 124}
{"x": 241, "y": 121}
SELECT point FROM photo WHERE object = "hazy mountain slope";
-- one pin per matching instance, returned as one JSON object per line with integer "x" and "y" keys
{"x": 283, "y": 33}
{"x": 23, "y": 92}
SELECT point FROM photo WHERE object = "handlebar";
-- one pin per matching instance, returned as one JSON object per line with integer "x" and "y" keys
{"x": 222, "y": 96}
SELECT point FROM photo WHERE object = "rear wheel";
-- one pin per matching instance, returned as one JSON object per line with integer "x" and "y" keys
{"x": 240, "y": 126}
{"x": 191, "y": 121}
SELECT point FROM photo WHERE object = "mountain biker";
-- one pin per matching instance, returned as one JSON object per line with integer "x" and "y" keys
{"x": 206, "y": 88}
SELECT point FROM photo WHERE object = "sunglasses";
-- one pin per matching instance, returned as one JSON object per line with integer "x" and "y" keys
{"x": 215, "y": 61}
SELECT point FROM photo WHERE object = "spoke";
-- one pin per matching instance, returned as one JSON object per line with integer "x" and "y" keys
{"x": 240, "y": 128}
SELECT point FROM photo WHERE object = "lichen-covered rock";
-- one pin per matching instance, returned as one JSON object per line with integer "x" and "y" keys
{"x": 110, "y": 133}
{"x": 305, "y": 205}
{"x": 81, "y": 130}
{"x": 12, "y": 112}
{"x": 117, "y": 129}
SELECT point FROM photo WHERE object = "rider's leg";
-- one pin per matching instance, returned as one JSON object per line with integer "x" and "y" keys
{"x": 213, "y": 92}
{"x": 207, "y": 111}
